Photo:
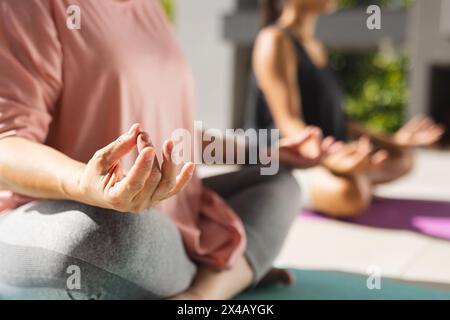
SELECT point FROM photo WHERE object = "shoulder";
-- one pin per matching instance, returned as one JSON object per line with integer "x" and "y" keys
{"x": 273, "y": 47}
{"x": 271, "y": 39}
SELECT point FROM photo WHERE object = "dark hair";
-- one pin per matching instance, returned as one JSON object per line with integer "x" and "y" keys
{"x": 271, "y": 11}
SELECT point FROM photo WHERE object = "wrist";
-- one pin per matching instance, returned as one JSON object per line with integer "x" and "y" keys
{"x": 70, "y": 182}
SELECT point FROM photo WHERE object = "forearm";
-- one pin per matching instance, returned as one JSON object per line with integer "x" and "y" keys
{"x": 290, "y": 127}
{"x": 37, "y": 171}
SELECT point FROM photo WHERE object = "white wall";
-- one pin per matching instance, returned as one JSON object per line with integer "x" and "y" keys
{"x": 199, "y": 25}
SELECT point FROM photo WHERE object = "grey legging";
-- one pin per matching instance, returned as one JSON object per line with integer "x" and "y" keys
{"x": 129, "y": 256}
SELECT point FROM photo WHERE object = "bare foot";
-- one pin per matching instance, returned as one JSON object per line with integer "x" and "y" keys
{"x": 188, "y": 295}
{"x": 277, "y": 276}
{"x": 273, "y": 277}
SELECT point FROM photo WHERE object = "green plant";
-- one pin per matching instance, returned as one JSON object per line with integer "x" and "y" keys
{"x": 168, "y": 6}
{"x": 376, "y": 89}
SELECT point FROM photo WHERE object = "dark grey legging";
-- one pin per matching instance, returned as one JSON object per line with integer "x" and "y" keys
{"x": 45, "y": 244}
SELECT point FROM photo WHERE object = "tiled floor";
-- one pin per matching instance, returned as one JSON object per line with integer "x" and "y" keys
{"x": 331, "y": 245}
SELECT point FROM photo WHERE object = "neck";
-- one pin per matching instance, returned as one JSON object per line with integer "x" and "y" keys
{"x": 302, "y": 22}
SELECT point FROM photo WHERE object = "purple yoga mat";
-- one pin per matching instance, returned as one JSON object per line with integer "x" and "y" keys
{"x": 431, "y": 218}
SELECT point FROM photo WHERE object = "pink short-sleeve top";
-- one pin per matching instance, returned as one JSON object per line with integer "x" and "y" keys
{"x": 76, "y": 90}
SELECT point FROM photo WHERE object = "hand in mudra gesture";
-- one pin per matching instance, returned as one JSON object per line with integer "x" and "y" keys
{"x": 419, "y": 132}
{"x": 307, "y": 149}
{"x": 102, "y": 182}
{"x": 355, "y": 158}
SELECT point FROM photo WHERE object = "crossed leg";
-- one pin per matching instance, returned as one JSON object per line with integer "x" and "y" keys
{"x": 267, "y": 205}
{"x": 348, "y": 194}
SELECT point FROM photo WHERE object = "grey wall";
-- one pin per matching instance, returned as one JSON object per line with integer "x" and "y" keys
{"x": 207, "y": 30}
{"x": 199, "y": 24}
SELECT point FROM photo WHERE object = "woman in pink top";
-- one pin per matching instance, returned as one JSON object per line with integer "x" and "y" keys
{"x": 66, "y": 97}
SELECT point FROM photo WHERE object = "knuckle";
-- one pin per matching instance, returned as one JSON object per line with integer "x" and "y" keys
{"x": 115, "y": 201}
{"x": 98, "y": 154}
{"x": 120, "y": 140}
{"x": 100, "y": 159}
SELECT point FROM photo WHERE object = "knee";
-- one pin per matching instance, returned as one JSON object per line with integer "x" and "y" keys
{"x": 146, "y": 249}
{"x": 352, "y": 199}
{"x": 405, "y": 163}
{"x": 288, "y": 188}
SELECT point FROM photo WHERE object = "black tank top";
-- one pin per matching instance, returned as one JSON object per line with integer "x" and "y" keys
{"x": 321, "y": 97}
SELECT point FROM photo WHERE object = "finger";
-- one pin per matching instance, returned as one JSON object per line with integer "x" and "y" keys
{"x": 145, "y": 141}
{"x": 143, "y": 199}
{"x": 364, "y": 147}
{"x": 364, "y": 144}
{"x": 424, "y": 125}
{"x": 429, "y": 137}
{"x": 110, "y": 179}
{"x": 362, "y": 153}
{"x": 314, "y": 143}
{"x": 327, "y": 143}
{"x": 325, "y": 148}
{"x": 336, "y": 147}
{"x": 182, "y": 179}
{"x": 412, "y": 124}
{"x": 379, "y": 158}
{"x": 168, "y": 172}
{"x": 315, "y": 131}
{"x": 346, "y": 150}
{"x": 137, "y": 177}
{"x": 108, "y": 156}
{"x": 361, "y": 161}
{"x": 436, "y": 130}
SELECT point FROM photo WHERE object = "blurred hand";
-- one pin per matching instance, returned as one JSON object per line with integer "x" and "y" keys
{"x": 102, "y": 182}
{"x": 420, "y": 131}
{"x": 307, "y": 149}
{"x": 354, "y": 158}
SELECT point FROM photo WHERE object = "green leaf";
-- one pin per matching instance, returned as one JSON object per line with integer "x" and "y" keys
{"x": 168, "y": 6}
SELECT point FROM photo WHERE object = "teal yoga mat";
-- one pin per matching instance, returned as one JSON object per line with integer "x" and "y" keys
{"x": 330, "y": 285}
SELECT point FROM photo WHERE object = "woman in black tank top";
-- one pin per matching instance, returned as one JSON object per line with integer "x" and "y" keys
{"x": 321, "y": 95}
{"x": 296, "y": 89}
